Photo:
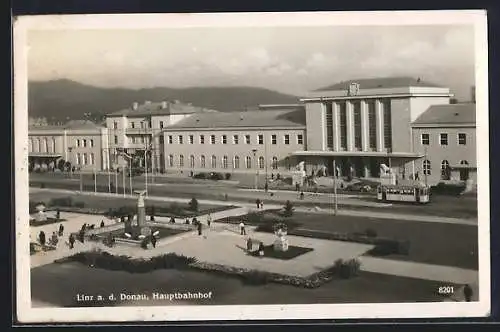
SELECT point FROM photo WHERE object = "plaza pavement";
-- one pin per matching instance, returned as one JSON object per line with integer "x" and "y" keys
{"x": 343, "y": 212}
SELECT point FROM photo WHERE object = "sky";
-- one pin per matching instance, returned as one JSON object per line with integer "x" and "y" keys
{"x": 292, "y": 60}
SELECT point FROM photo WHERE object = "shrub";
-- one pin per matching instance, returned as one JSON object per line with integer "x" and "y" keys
{"x": 202, "y": 176}
{"x": 288, "y": 209}
{"x": 216, "y": 176}
{"x": 453, "y": 189}
{"x": 348, "y": 269}
{"x": 144, "y": 243}
{"x": 228, "y": 176}
{"x": 385, "y": 247}
{"x": 193, "y": 204}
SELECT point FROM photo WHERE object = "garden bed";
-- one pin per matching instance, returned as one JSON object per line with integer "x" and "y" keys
{"x": 36, "y": 223}
{"x": 292, "y": 252}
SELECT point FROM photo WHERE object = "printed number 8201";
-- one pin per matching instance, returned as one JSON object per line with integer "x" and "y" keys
{"x": 446, "y": 290}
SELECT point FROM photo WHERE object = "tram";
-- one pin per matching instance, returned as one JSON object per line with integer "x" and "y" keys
{"x": 399, "y": 193}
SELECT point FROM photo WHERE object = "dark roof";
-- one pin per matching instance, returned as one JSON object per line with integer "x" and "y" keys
{"x": 161, "y": 108}
{"x": 380, "y": 83}
{"x": 273, "y": 118}
{"x": 448, "y": 114}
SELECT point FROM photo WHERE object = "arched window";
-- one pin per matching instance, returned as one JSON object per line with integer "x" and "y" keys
{"x": 78, "y": 159}
{"x": 427, "y": 167}
{"x": 224, "y": 162}
{"x": 464, "y": 171}
{"x": 92, "y": 159}
{"x": 191, "y": 161}
{"x": 84, "y": 143}
{"x": 248, "y": 161}
{"x": 84, "y": 161}
{"x": 261, "y": 162}
{"x": 181, "y": 161}
{"x": 91, "y": 143}
{"x": 171, "y": 160}
{"x": 275, "y": 163}
{"x": 445, "y": 170}
{"x": 214, "y": 162}
{"x": 236, "y": 162}
{"x": 202, "y": 161}
{"x": 464, "y": 162}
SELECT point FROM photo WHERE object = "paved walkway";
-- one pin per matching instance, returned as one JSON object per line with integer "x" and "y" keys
{"x": 343, "y": 212}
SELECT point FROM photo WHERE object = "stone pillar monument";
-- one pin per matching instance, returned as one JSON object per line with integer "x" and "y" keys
{"x": 141, "y": 210}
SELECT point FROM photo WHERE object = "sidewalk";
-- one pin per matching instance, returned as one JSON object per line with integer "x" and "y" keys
{"x": 342, "y": 212}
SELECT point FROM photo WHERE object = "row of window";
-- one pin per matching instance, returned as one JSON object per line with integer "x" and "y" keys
{"x": 224, "y": 162}
{"x": 42, "y": 145}
{"x": 425, "y": 139}
{"x": 83, "y": 143}
{"x": 445, "y": 165}
{"x": 235, "y": 139}
{"x": 142, "y": 124}
{"x": 81, "y": 159}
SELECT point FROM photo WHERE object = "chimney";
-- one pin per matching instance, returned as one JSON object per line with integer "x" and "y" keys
{"x": 135, "y": 105}
{"x": 163, "y": 104}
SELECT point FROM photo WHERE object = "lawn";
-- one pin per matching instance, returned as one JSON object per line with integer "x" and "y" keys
{"x": 58, "y": 284}
{"x": 430, "y": 242}
{"x": 292, "y": 252}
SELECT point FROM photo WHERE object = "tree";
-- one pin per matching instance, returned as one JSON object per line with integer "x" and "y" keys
{"x": 193, "y": 204}
{"x": 288, "y": 209}
{"x": 60, "y": 164}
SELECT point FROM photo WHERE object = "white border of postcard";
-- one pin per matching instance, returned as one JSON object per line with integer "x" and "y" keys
{"x": 27, "y": 314}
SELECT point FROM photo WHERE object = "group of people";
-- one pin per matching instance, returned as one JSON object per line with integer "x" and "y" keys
{"x": 259, "y": 203}
{"x": 194, "y": 222}
{"x": 54, "y": 238}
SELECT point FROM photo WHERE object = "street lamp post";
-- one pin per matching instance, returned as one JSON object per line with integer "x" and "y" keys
{"x": 335, "y": 197}
{"x": 256, "y": 168}
{"x": 70, "y": 164}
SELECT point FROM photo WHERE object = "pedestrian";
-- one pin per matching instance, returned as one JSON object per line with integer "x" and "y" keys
{"x": 242, "y": 229}
{"x": 278, "y": 176}
{"x": 257, "y": 202}
{"x": 266, "y": 187}
{"x": 200, "y": 228}
{"x": 61, "y": 230}
{"x": 301, "y": 195}
{"x": 81, "y": 236}
{"x": 41, "y": 238}
{"x": 54, "y": 239}
{"x": 249, "y": 244}
{"x": 187, "y": 221}
{"x": 272, "y": 176}
{"x": 153, "y": 241}
{"x": 172, "y": 220}
{"x": 261, "y": 249}
{"x": 209, "y": 219}
{"x": 262, "y": 205}
{"x": 102, "y": 223}
{"x": 71, "y": 241}
{"x": 195, "y": 221}
{"x": 467, "y": 293}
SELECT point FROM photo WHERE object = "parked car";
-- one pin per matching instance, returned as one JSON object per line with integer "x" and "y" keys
{"x": 359, "y": 187}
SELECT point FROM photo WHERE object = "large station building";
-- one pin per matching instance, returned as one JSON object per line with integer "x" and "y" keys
{"x": 407, "y": 124}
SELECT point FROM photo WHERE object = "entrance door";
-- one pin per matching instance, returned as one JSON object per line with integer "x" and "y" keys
{"x": 464, "y": 172}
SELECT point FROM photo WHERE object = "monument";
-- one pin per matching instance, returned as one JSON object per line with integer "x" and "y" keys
{"x": 299, "y": 174}
{"x": 387, "y": 177}
{"x": 141, "y": 209}
{"x": 40, "y": 215}
{"x": 281, "y": 242}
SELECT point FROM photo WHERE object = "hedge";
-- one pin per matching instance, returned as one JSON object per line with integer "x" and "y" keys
{"x": 453, "y": 189}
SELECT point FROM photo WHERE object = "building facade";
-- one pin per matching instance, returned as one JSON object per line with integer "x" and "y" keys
{"x": 240, "y": 142}
{"x": 81, "y": 143}
{"x": 446, "y": 135}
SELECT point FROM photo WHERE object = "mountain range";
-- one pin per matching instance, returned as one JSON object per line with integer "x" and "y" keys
{"x": 61, "y": 100}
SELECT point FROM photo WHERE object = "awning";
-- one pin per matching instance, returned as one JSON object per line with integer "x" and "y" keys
{"x": 403, "y": 155}
{"x": 44, "y": 155}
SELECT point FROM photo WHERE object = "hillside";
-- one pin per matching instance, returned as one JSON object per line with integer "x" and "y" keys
{"x": 62, "y": 99}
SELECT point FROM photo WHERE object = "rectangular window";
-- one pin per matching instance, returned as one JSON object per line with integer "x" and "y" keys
{"x": 115, "y": 125}
{"x": 92, "y": 159}
{"x": 235, "y": 139}
{"x": 260, "y": 138}
{"x": 274, "y": 139}
{"x": 170, "y": 139}
{"x": 78, "y": 143}
{"x": 443, "y": 139}
{"x": 162, "y": 139}
{"x": 357, "y": 125}
{"x": 329, "y": 126}
{"x": 84, "y": 161}
{"x": 287, "y": 139}
{"x": 161, "y": 124}
{"x": 247, "y": 139}
{"x": 212, "y": 139}
{"x": 191, "y": 139}
{"x": 387, "y": 124}
{"x": 181, "y": 139}
{"x": 425, "y": 139}
{"x": 116, "y": 139}
{"x": 372, "y": 125}
{"x": 132, "y": 125}
{"x": 202, "y": 139}
{"x": 224, "y": 139}
{"x": 343, "y": 125}
{"x": 84, "y": 143}
{"x": 91, "y": 143}
{"x": 300, "y": 139}
{"x": 78, "y": 159}
{"x": 462, "y": 139}
{"x": 171, "y": 160}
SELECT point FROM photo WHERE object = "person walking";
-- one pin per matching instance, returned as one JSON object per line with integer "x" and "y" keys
{"x": 200, "y": 228}
{"x": 301, "y": 195}
{"x": 61, "y": 230}
{"x": 242, "y": 229}
{"x": 41, "y": 238}
{"x": 153, "y": 241}
{"x": 468, "y": 293}
{"x": 262, "y": 205}
{"x": 209, "y": 220}
{"x": 249, "y": 244}
{"x": 71, "y": 241}
{"x": 257, "y": 202}
{"x": 54, "y": 239}
{"x": 172, "y": 220}
{"x": 102, "y": 223}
